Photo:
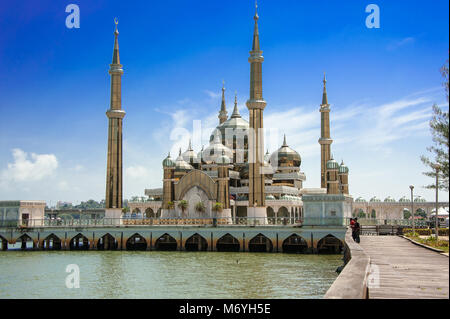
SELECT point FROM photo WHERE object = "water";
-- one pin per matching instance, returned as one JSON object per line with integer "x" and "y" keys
{"x": 120, "y": 274}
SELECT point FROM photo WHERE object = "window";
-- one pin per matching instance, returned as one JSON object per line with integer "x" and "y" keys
{"x": 333, "y": 213}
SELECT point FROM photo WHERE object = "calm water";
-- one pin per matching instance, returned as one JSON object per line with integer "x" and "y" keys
{"x": 166, "y": 275}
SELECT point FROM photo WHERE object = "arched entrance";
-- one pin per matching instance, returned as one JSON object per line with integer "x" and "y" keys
{"x": 260, "y": 243}
{"x": 294, "y": 244}
{"x": 270, "y": 215}
{"x": 283, "y": 215}
{"x": 52, "y": 242}
{"x": 227, "y": 243}
{"x": 149, "y": 213}
{"x": 329, "y": 245}
{"x": 107, "y": 242}
{"x": 136, "y": 242}
{"x": 26, "y": 242}
{"x": 196, "y": 243}
{"x": 79, "y": 242}
{"x": 166, "y": 243}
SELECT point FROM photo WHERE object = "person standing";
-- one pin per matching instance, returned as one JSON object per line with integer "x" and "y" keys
{"x": 356, "y": 231}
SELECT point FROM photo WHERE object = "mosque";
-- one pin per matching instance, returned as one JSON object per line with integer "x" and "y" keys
{"x": 234, "y": 174}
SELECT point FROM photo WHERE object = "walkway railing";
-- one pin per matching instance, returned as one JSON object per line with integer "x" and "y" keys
{"x": 203, "y": 221}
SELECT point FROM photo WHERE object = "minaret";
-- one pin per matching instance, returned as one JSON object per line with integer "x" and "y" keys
{"x": 256, "y": 105}
{"x": 223, "y": 115}
{"x": 115, "y": 115}
{"x": 325, "y": 140}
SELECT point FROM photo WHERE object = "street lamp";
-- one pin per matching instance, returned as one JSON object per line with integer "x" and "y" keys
{"x": 437, "y": 168}
{"x": 412, "y": 209}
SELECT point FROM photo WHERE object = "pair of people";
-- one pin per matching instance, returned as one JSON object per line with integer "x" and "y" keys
{"x": 356, "y": 228}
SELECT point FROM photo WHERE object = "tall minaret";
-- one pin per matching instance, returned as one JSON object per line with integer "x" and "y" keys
{"x": 256, "y": 105}
{"x": 115, "y": 115}
{"x": 223, "y": 115}
{"x": 325, "y": 140}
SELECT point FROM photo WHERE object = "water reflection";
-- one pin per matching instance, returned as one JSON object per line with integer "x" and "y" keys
{"x": 140, "y": 274}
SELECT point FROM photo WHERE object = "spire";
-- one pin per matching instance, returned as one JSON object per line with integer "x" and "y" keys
{"x": 223, "y": 114}
{"x": 116, "y": 58}
{"x": 179, "y": 153}
{"x": 236, "y": 113}
{"x": 284, "y": 141}
{"x": 255, "y": 46}
{"x": 190, "y": 145}
{"x": 324, "y": 96}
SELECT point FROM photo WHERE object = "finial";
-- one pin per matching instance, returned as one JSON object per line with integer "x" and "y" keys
{"x": 179, "y": 153}
{"x": 267, "y": 153}
{"x": 223, "y": 85}
{"x": 324, "y": 79}
{"x": 190, "y": 145}
{"x": 168, "y": 155}
{"x": 284, "y": 140}
{"x": 116, "y": 22}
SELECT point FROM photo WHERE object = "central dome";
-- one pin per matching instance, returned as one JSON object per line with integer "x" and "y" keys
{"x": 214, "y": 150}
{"x": 285, "y": 156}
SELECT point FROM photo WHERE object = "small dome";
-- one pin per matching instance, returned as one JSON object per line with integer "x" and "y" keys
{"x": 420, "y": 199}
{"x": 189, "y": 156}
{"x": 343, "y": 169}
{"x": 181, "y": 165}
{"x": 389, "y": 199}
{"x": 270, "y": 197}
{"x": 285, "y": 155}
{"x": 214, "y": 150}
{"x": 267, "y": 157}
{"x": 375, "y": 199}
{"x": 404, "y": 200}
{"x": 167, "y": 162}
{"x": 332, "y": 164}
{"x": 360, "y": 200}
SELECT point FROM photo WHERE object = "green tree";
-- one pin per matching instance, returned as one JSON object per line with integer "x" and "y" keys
{"x": 200, "y": 207}
{"x": 406, "y": 214}
{"x": 183, "y": 205}
{"x": 439, "y": 126}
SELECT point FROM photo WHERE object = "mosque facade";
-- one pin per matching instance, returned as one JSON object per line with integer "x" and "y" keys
{"x": 233, "y": 176}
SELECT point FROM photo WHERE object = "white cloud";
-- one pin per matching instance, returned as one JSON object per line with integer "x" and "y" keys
{"x": 29, "y": 168}
{"x": 400, "y": 43}
{"x": 136, "y": 172}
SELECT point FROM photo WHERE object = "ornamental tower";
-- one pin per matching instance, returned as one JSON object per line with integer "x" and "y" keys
{"x": 325, "y": 140}
{"x": 256, "y": 105}
{"x": 223, "y": 114}
{"x": 115, "y": 115}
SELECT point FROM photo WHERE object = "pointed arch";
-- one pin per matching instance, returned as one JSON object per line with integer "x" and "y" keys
{"x": 294, "y": 244}
{"x": 52, "y": 242}
{"x": 79, "y": 242}
{"x": 166, "y": 243}
{"x": 260, "y": 243}
{"x": 199, "y": 179}
{"x": 136, "y": 242}
{"x": 196, "y": 243}
{"x": 25, "y": 239}
{"x": 3, "y": 243}
{"x": 329, "y": 245}
{"x": 227, "y": 243}
{"x": 107, "y": 242}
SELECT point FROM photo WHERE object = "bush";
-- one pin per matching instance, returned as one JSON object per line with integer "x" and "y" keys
{"x": 419, "y": 231}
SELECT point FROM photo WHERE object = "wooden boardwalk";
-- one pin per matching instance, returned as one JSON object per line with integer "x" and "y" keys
{"x": 406, "y": 270}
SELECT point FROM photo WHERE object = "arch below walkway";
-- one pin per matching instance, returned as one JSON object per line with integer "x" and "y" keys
{"x": 107, "y": 242}
{"x": 260, "y": 243}
{"x": 26, "y": 241}
{"x": 329, "y": 245}
{"x": 52, "y": 242}
{"x": 79, "y": 242}
{"x": 294, "y": 244}
{"x": 196, "y": 243}
{"x": 3, "y": 244}
{"x": 136, "y": 242}
{"x": 227, "y": 243}
{"x": 166, "y": 243}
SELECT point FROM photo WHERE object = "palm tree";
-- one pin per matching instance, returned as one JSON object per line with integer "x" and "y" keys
{"x": 183, "y": 205}
{"x": 200, "y": 207}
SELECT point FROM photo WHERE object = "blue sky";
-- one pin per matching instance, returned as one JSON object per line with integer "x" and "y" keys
{"x": 54, "y": 87}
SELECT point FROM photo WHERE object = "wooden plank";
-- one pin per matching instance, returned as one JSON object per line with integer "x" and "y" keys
{"x": 406, "y": 270}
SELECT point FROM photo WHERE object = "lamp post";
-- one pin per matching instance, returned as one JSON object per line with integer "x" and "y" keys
{"x": 412, "y": 209}
{"x": 436, "y": 167}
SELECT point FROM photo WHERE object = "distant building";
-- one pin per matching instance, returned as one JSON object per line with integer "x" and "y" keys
{"x": 22, "y": 213}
